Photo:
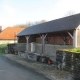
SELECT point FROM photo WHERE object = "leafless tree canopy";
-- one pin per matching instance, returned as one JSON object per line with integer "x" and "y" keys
{"x": 29, "y": 24}
{"x": 69, "y": 13}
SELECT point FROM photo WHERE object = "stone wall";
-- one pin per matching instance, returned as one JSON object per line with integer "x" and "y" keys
{"x": 21, "y": 47}
{"x": 50, "y": 50}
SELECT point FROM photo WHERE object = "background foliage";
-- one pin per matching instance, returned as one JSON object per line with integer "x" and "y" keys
{"x": 3, "y": 47}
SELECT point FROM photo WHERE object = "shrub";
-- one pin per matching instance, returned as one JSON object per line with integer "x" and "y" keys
{"x": 2, "y": 48}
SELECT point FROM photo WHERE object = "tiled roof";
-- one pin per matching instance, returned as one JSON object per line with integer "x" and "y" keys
{"x": 9, "y": 33}
{"x": 62, "y": 24}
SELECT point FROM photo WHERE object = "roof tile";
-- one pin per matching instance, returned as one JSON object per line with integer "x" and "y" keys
{"x": 10, "y": 33}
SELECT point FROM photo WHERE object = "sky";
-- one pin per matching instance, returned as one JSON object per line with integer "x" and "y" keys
{"x": 14, "y": 12}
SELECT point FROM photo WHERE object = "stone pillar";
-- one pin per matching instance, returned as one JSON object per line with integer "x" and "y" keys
{"x": 27, "y": 44}
{"x": 75, "y": 38}
{"x": 32, "y": 47}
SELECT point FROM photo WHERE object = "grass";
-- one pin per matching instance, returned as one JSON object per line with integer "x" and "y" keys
{"x": 74, "y": 50}
{"x": 3, "y": 48}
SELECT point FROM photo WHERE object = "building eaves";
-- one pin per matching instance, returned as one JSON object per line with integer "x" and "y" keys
{"x": 62, "y": 24}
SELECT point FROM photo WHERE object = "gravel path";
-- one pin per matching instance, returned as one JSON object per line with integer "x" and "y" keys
{"x": 45, "y": 69}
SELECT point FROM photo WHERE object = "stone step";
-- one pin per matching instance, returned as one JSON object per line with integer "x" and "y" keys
{"x": 33, "y": 56}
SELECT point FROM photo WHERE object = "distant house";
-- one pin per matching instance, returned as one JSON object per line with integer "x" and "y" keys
{"x": 8, "y": 35}
{"x": 50, "y": 36}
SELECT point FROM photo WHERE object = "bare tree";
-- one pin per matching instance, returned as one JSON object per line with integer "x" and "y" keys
{"x": 29, "y": 24}
{"x": 69, "y": 13}
{"x": 22, "y": 25}
{"x": 39, "y": 22}
{"x": 43, "y": 21}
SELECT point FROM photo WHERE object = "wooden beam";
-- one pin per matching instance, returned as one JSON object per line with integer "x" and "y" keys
{"x": 70, "y": 34}
{"x": 48, "y": 39}
{"x": 64, "y": 39}
{"x": 43, "y": 43}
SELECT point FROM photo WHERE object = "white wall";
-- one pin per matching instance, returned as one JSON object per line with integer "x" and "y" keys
{"x": 7, "y": 41}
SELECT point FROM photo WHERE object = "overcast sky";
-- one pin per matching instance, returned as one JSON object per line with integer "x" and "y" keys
{"x": 14, "y": 12}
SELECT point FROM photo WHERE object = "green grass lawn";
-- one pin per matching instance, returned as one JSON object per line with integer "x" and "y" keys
{"x": 2, "y": 48}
